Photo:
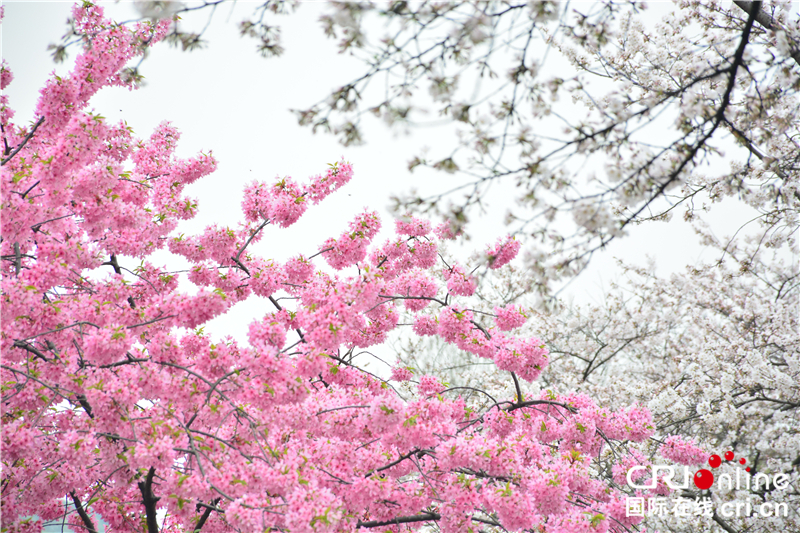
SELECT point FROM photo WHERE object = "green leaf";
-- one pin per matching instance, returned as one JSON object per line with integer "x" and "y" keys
{"x": 596, "y": 519}
{"x": 410, "y": 422}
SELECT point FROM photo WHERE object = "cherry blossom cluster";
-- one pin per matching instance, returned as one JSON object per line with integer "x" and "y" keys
{"x": 351, "y": 247}
{"x": 284, "y": 201}
{"x": 509, "y": 317}
{"x": 116, "y": 403}
{"x": 682, "y": 451}
{"x": 459, "y": 282}
{"x": 503, "y": 252}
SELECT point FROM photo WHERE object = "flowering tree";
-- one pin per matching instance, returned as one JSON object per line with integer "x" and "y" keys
{"x": 656, "y": 102}
{"x": 713, "y": 352}
{"x": 598, "y": 115}
{"x": 114, "y": 399}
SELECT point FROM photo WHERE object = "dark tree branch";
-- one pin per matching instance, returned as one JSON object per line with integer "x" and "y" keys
{"x": 30, "y": 189}
{"x": 149, "y": 500}
{"x": 87, "y": 521}
{"x": 28, "y": 347}
{"x": 765, "y": 20}
{"x": 400, "y": 520}
{"x": 520, "y": 399}
{"x": 246, "y": 244}
{"x": 153, "y": 321}
{"x": 485, "y": 333}
{"x": 23, "y": 143}
{"x": 738, "y": 59}
{"x": 278, "y": 306}
{"x": 241, "y": 265}
{"x": 206, "y": 514}
{"x": 129, "y": 361}
{"x": 531, "y": 403}
{"x": 6, "y": 148}
{"x": 417, "y": 452}
{"x": 321, "y": 252}
{"x": 117, "y": 269}
{"x": 390, "y": 297}
{"x": 17, "y": 259}
{"x": 85, "y": 404}
{"x": 38, "y": 226}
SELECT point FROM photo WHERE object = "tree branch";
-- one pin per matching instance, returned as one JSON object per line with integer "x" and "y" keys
{"x": 766, "y": 21}
{"x": 399, "y": 520}
{"x": 23, "y": 143}
{"x": 87, "y": 521}
{"x": 149, "y": 500}
{"x": 85, "y": 404}
{"x": 530, "y": 403}
{"x": 398, "y": 461}
{"x": 246, "y": 244}
{"x": 28, "y": 347}
{"x": 516, "y": 386}
{"x": 115, "y": 265}
{"x": 719, "y": 116}
{"x": 17, "y": 259}
{"x": 206, "y": 514}
{"x": 278, "y": 306}
{"x": 485, "y": 333}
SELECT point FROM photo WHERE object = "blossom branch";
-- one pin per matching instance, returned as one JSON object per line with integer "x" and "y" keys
{"x": 28, "y": 347}
{"x": 530, "y": 403}
{"x": 766, "y": 21}
{"x": 427, "y": 517}
{"x": 246, "y": 244}
{"x": 206, "y": 513}
{"x": 21, "y": 145}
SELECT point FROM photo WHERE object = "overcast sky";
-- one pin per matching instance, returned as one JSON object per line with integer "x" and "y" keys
{"x": 228, "y": 99}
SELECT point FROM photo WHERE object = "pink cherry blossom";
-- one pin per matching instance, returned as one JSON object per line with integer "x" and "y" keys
{"x": 459, "y": 282}
{"x": 678, "y": 449}
{"x": 509, "y": 317}
{"x": 412, "y": 226}
{"x": 117, "y": 402}
{"x": 503, "y": 252}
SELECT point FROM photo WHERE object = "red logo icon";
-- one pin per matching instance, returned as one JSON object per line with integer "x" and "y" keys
{"x": 704, "y": 478}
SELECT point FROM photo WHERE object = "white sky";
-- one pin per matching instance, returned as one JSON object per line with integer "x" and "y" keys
{"x": 228, "y": 99}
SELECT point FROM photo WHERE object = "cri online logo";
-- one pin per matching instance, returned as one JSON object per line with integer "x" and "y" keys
{"x": 704, "y": 478}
